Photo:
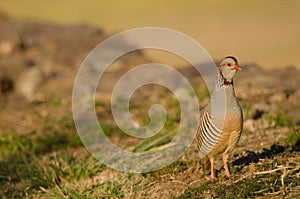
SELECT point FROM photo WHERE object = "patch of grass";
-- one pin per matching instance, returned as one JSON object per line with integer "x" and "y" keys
{"x": 278, "y": 120}
{"x": 35, "y": 174}
{"x": 13, "y": 145}
{"x": 58, "y": 101}
{"x": 247, "y": 188}
{"x": 28, "y": 161}
{"x": 107, "y": 129}
{"x": 173, "y": 102}
{"x": 201, "y": 92}
{"x": 232, "y": 169}
{"x": 144, "y": 186}
{"x": 161, "y": 138}
{"x": 281, "y": 120}
{"x": 292, "y": 140}
{"x": 247, "y": 111}
{"x": 195, "y": 192}
{"x": 56, "y": 141}
{"x": 99, "y": 103}
{"x": 62, "y": 122}
{"x": 174, "y": 168}
{"x": 154, "y": 142}
{"x": 42, "y": 140}
{"x": 107, "y": 189}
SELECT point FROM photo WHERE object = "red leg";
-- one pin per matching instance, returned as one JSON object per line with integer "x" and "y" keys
{"x": 224, "y": 157}
{"x": 212, "y": 172}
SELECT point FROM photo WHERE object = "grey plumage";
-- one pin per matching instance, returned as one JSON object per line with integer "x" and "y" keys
{"x": 220, "y": 123}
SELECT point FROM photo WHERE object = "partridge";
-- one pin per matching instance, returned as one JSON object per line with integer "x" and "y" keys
{"x": 221, "y": 121}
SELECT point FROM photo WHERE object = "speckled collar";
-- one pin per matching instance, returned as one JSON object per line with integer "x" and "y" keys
{"x": 222, "y": 80}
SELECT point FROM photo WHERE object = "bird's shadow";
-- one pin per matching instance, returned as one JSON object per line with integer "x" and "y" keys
{"x": 253, "y": 157}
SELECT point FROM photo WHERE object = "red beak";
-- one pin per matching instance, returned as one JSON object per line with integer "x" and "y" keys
{"x": 236, "y": 67}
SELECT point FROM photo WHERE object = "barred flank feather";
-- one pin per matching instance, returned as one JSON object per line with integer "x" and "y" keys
{"x": 208, "y": 135}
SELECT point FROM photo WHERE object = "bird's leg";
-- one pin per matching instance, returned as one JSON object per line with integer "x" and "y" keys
{"x": 202, "y": 167}
{"x": 224, "y": 157}
{"x": 212, "y": 172}
{"x": 205, "y": 165}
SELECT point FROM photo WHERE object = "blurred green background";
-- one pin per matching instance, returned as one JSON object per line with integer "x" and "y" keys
{"x": 264, "y": 32}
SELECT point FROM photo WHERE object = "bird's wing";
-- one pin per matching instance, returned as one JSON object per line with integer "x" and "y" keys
{"x": 208, "y": 134}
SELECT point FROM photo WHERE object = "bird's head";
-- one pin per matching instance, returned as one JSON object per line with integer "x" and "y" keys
{"x": 229, "y": 67}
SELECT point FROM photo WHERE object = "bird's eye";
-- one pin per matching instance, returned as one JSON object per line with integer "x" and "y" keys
{"x": 228, "y": 64}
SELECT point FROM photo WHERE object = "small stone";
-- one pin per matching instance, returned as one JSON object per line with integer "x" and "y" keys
{"x": 6, "y": 48}
{"x": 29, "y": 82}
{"x": 249, "y": 125}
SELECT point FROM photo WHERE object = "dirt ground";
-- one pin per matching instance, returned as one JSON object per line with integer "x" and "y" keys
{"x": 38, "y": 63}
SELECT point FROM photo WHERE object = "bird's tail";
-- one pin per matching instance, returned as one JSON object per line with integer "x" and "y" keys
{"x": 205, "y": 165}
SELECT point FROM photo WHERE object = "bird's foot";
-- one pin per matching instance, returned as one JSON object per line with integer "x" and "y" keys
{"x": 212, "y": 177}
{"x": 227, "y": 173}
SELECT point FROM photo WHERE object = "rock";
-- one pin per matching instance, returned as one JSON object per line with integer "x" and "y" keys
{"x": 6, "y": 48}
{"x": 249, "y": 125}
{"x": 6, "y": 85}
{"x": 28, "y": 83}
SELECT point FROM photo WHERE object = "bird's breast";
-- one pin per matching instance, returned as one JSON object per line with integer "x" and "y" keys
{"x": 232, "y": 122}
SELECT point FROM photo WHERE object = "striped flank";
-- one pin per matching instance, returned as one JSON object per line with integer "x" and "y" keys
{"x": 208, "y": 135}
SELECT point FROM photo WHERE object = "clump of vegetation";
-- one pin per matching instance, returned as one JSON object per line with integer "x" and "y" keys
{"x": 278, "y": 120}
{"x": 292, "y": 140}
{"x": 154, "y": 142}
{"x": 197, "y": 192}
{"x": 35, "y": 173}
{"x": 174, "y": 168}
{"x": 247, "y": 110}
{"x": 281, "y": 120}
{"x": 42, "y": 159}
{"x": 58, "y": 101}
{"x": 106, "y": 189}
